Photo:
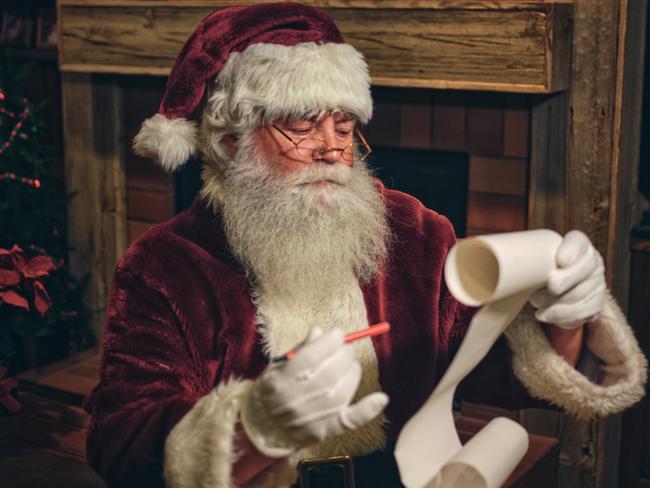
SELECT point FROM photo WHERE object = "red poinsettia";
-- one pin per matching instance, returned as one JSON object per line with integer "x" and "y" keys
{"x": 20, "y": 274}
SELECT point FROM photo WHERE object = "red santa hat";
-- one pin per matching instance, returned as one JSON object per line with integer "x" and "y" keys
{"x": 261, "y": 63}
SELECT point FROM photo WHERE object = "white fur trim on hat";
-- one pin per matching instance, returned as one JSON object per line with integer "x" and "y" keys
{"x": 170, "y": 142}
{"x": 267, "y": 82}
{"x": 199, "y": 450}
{"x": 623, "y": 367}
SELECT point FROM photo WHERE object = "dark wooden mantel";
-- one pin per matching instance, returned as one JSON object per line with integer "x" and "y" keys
{"x": 518, "y": 46}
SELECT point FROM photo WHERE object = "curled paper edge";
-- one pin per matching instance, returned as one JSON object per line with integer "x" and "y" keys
{"x": 500, "y": 271}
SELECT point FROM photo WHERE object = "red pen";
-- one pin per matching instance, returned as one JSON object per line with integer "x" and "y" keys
{"x": 373, "y": 330}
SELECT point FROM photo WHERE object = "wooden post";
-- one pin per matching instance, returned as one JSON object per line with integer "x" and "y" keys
{"x": 584, "y": 176}
{"x": 547, "y": 206}
{"x": 94, "y": 173}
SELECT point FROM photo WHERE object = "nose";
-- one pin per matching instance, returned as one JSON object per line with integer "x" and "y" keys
{"x": 327, "y": 132}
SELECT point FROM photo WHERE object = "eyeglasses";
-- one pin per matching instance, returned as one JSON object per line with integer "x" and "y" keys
{"x": 311, "y": 146}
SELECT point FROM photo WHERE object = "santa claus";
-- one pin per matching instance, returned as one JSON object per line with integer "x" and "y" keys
{"x": 292, "y": 243}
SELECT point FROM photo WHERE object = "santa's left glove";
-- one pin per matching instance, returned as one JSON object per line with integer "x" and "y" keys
{"x": 308, "y": 398}
{"x": 575, "y": 291}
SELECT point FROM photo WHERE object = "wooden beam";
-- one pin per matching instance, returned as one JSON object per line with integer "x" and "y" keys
{"x": 583, "y": 176}
{"x": 384, "y": 4}
{"x": 516, "y": 46}
{"x": 94, "y": 174}
{"x": 547, "y": 206}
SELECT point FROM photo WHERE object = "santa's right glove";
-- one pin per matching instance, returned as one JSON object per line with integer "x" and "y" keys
{"x": 306, "y": 399}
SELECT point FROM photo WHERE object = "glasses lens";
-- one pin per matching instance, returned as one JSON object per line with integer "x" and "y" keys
{"x": 317, "y": 148}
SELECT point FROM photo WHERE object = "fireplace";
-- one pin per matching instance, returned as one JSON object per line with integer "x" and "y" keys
{"x": 437, "y": 178}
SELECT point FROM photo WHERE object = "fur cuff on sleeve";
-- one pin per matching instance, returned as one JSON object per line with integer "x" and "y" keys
{"x": 548, "y": 376}
{"x": 199, "y": 451}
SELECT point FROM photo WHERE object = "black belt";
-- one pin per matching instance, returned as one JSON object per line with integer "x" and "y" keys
{"x": 374, "y": 470}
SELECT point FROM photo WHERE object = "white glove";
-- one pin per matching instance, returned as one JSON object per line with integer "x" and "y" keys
{"x": 575, "y": 291}
{"x": 306, "y": 399}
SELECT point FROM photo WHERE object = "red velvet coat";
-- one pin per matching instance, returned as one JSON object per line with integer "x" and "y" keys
{"x": 180, "y": 320}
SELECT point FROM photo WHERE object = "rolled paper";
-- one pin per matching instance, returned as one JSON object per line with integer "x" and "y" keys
{"x": 498, "y": 272}
{"x": 484, "y": 269}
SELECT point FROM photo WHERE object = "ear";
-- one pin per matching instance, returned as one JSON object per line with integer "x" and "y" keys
{"x": 230, "y": 141}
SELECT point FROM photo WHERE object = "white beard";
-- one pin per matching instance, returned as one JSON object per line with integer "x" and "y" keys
{"x": 301, "y": 237}
{"x": 305, "y": 248}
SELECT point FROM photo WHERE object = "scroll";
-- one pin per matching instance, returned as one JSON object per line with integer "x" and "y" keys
{"x": 500, "y": 272}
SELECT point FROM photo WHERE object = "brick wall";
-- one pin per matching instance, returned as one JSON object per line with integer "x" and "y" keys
{"x": 493, "y": 128}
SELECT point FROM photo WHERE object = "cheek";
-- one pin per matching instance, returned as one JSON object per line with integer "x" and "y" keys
{"x": 278, "y": 157}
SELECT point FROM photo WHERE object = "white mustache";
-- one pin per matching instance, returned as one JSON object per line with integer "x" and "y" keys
{"x": 316, "y": 172}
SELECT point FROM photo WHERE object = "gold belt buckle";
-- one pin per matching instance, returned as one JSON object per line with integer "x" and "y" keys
{"x": 331, "y": 471}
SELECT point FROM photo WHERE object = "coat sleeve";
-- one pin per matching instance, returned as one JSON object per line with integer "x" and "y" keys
{"x": 523, "y": 370}
{"x": 157, "y": 417}
{"x": 149, "y": 380}
{"x": 610, "y": 377}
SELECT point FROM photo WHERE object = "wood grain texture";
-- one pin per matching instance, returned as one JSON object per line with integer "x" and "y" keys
{"x": 386, "y": 4}
{"x": 94, "y": 173}
{"x": 547, "y": 205}
{"x": 591, "y": 178}
{"x": 482, "y": 45}
{"x": 625, "y": 211}
{"x": 584, "y": 152}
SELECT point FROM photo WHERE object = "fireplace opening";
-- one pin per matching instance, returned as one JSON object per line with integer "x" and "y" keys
{"x": 439, "y": 179}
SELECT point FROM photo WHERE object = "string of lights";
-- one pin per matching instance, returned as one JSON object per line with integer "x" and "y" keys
{"x": 22, "y": 117}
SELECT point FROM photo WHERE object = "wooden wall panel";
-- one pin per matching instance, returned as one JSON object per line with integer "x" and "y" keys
{"x": 547, "y": 205}
{"x": 579, "y": 179}
{"x": 94, "y": 164}
{"x": 512, "y": 46}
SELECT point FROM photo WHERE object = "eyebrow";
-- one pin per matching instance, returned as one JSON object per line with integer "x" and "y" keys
{"x": 314, "y": 119}
{"x": 344, "y": 117}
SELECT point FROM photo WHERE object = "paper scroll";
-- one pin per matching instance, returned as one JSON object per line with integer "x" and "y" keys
{"x": 499, "y": 271}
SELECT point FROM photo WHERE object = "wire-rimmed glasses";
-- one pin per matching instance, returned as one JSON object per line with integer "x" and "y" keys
{"x": 310, "y": 146}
